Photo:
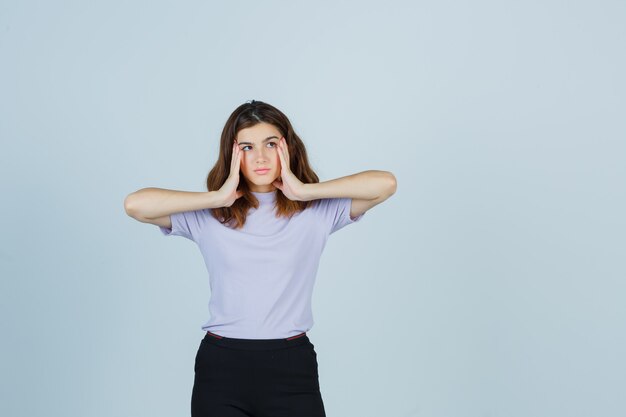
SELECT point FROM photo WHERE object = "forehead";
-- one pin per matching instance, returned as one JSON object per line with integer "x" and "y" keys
{"x": 257, "y": 133}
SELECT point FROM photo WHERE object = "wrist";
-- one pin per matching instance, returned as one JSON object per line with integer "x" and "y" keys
{"x": 308, "y": 192}
{"x": 216, "y": 199}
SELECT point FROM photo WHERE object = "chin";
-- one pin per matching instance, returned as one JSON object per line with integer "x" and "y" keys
{"x": 262, "y": 181}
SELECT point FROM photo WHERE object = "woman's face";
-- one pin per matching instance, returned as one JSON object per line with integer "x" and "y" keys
{"x": 259, "y": 145}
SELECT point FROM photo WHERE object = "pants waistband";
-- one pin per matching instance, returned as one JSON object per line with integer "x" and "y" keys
{"x": 255, "y": 344}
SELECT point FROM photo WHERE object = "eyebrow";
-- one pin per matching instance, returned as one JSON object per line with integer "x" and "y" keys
{"x": 264, "y": 140}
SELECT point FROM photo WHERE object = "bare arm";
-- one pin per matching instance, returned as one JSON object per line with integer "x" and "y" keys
{"x": 366, "y": 185}
{"x": 156, "y": 203}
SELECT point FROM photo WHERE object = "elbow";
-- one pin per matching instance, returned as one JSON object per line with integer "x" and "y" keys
{"x": 386, "y": 186}
{"x": 392, "y": 184}
{"x": 129, "y": 205}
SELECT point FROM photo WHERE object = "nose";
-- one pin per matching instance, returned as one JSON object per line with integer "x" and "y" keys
{"x": 261, "y": 155}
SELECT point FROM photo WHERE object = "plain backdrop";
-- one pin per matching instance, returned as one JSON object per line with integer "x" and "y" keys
{"x": 492, "y": 284}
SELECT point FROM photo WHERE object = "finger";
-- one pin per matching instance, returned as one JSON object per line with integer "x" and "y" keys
{"x": 281, "y": 156}
{"x": 238, "y": 164}
{"x": 286, "y": 148}
{"x": 233, "y": 163}
{"x": 236, "y": 158}
{"x": 233, "y": 157}
{"x": 284, "y": 158}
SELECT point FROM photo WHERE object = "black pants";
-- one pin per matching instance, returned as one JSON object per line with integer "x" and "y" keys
{"x": 256, "y": 378}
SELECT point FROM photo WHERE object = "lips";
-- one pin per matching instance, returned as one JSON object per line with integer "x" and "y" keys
{"x": 262, "y": 170}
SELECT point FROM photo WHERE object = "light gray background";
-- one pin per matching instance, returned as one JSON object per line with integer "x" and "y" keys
{"x": 491, "y": 284}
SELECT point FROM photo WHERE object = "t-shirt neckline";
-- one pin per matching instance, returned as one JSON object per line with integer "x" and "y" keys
{"x": 265, "y": 197}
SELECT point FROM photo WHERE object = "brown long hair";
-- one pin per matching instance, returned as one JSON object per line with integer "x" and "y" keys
{"x": 244, "y": 116}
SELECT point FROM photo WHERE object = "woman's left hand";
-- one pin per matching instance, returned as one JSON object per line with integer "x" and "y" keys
{"x": 288, "y": 183}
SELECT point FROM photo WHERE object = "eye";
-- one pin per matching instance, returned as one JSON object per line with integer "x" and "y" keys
{"x": 249, "y": 146}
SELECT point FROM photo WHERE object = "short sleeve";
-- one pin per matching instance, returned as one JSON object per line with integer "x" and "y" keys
{"x": 188, "y": 224}
{"x": 335, "y": 213}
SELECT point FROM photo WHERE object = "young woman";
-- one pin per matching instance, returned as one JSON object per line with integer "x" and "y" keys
{"x": 261, "y": 228}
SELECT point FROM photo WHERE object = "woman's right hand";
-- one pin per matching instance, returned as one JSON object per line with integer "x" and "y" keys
{"x": 229, "y": 190}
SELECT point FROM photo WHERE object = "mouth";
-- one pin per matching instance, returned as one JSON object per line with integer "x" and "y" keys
{"x": 262, "y": 171}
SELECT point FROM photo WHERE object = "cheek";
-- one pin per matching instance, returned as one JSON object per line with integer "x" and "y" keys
{"x": 246, "y": 160}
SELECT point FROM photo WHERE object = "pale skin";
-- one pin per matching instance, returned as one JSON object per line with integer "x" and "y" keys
{"x": 262, "y": 146}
